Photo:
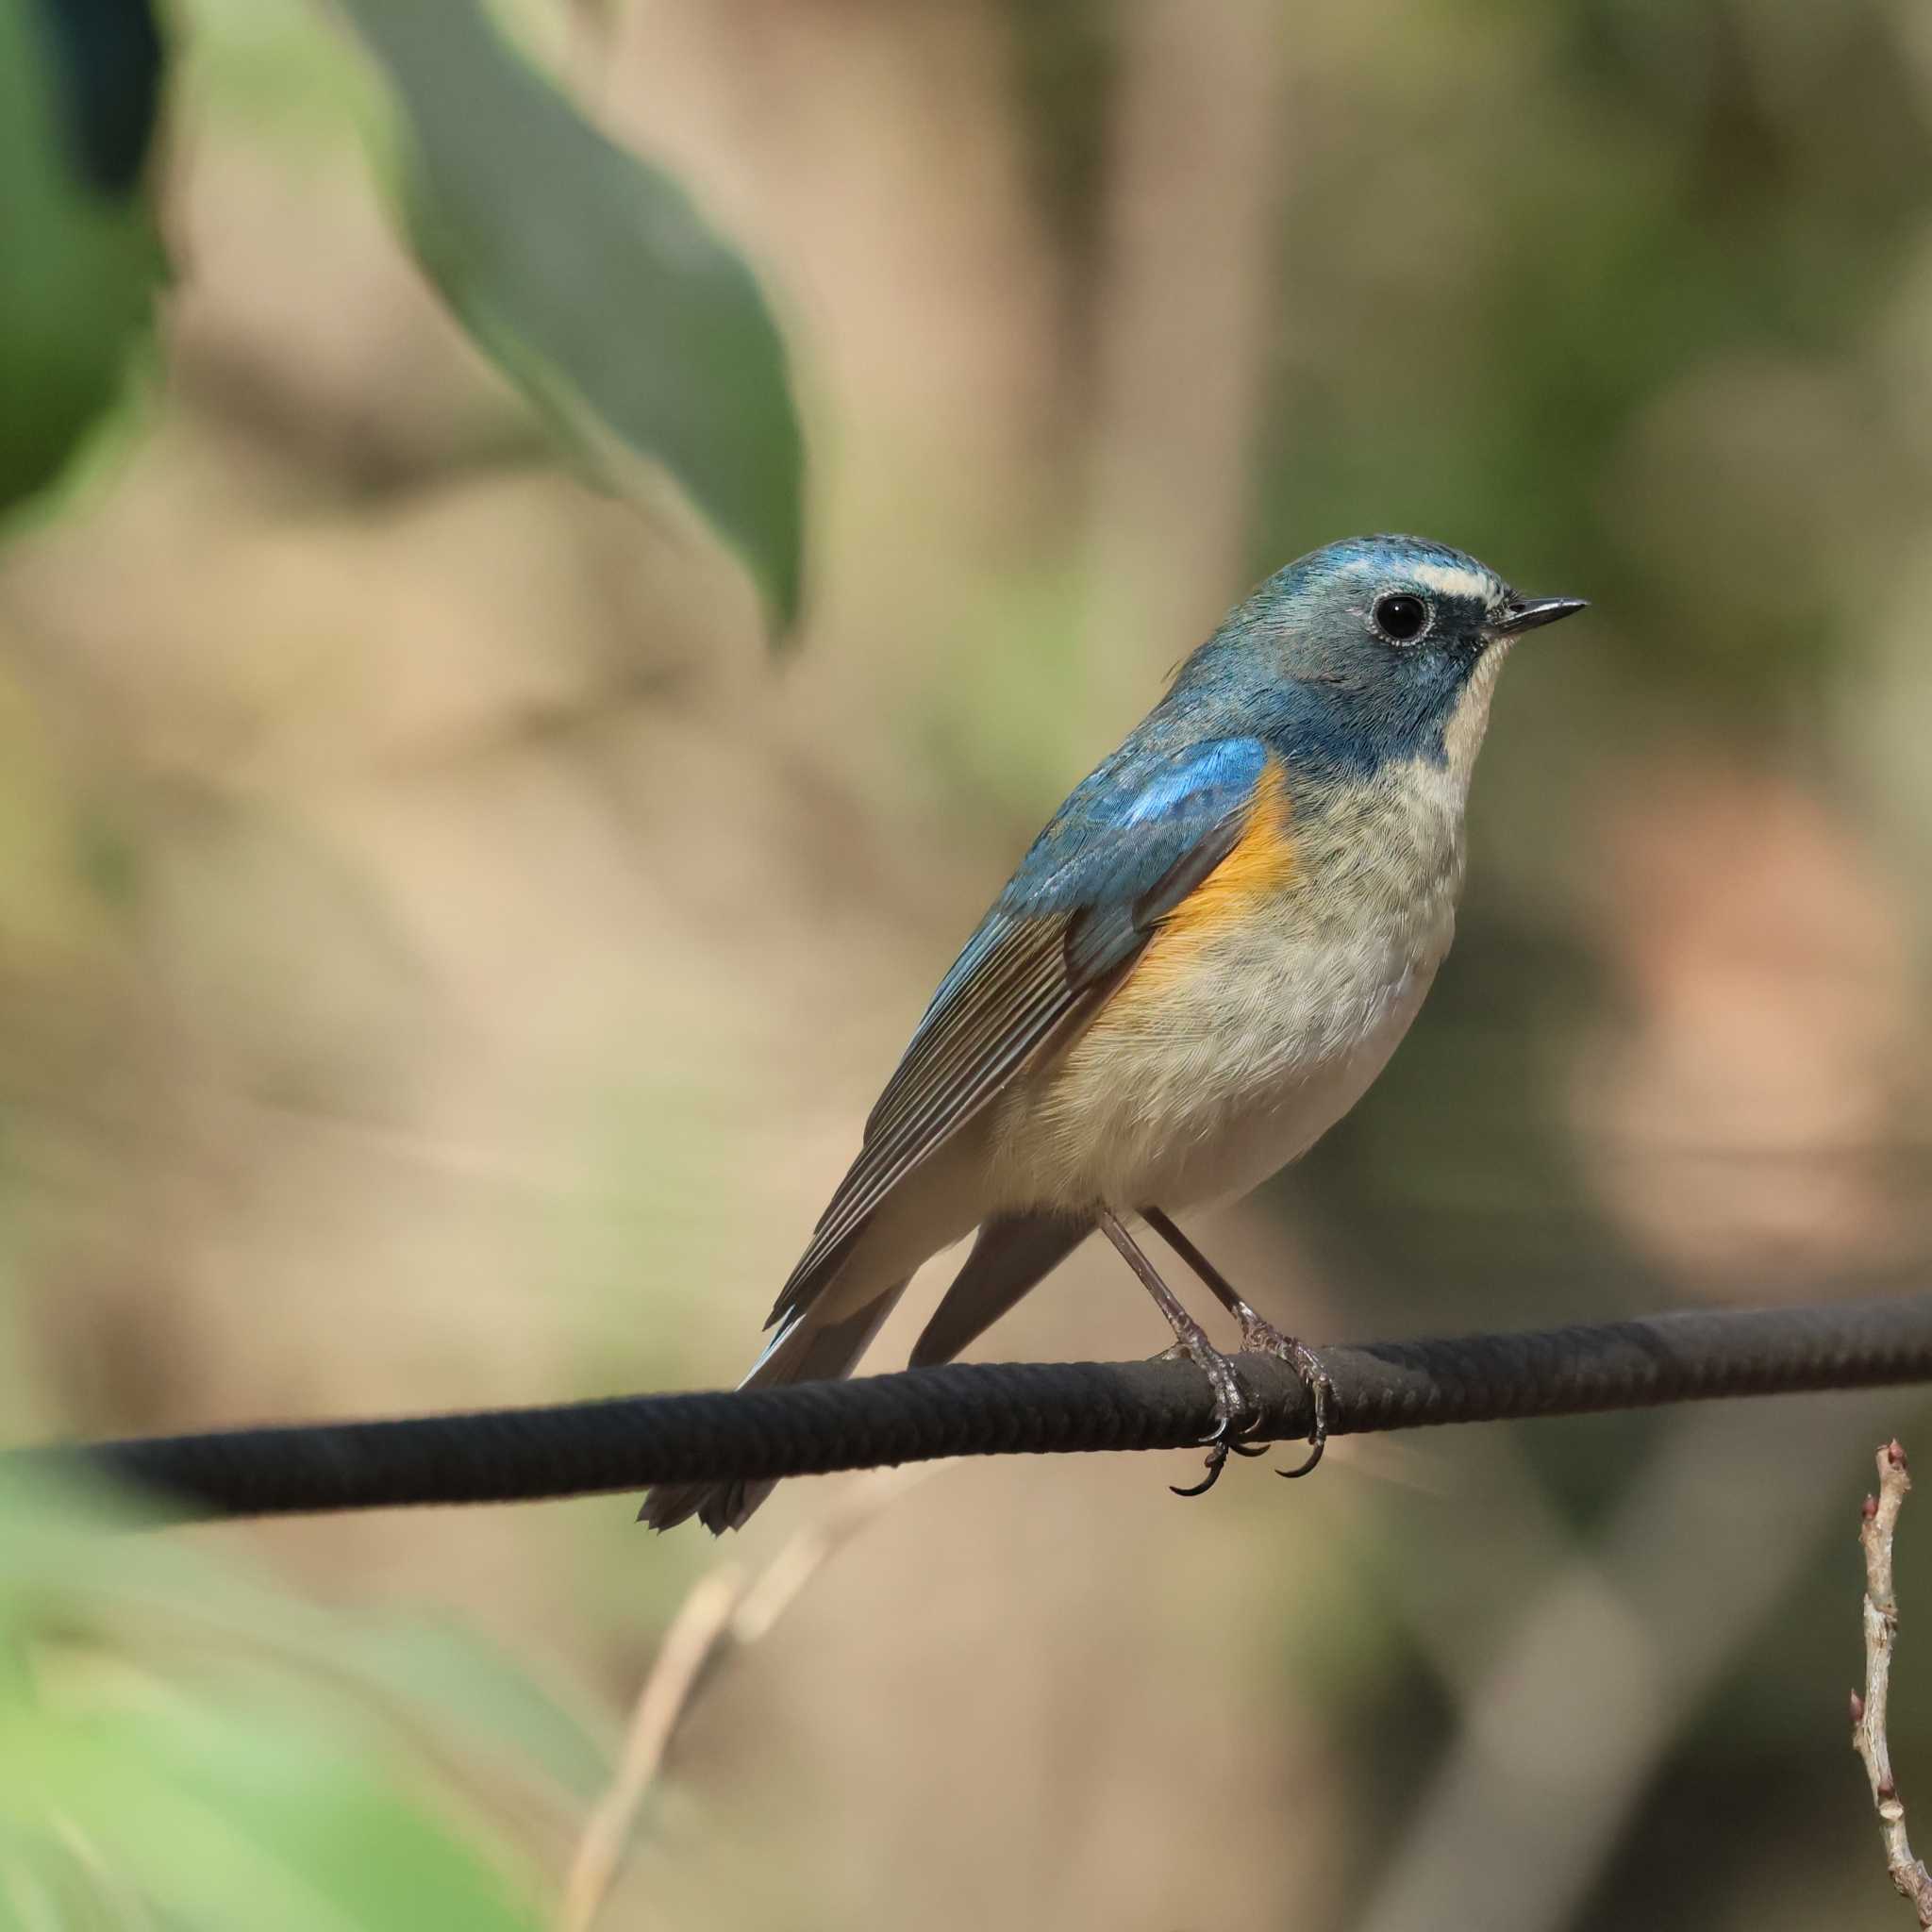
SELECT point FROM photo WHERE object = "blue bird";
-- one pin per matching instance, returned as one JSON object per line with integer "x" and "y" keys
{"x": 1197, "y": 971}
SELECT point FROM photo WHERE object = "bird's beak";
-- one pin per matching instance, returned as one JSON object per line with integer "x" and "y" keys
{"x": 1531, "y": 613}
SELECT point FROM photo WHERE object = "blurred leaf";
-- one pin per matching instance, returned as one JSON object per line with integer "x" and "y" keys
{"x": 441, "y": 1675}
{"x": 176, "y": 1732}
{"x": 472, "y": 1690}
{"x": 79, "y": 261}
{"x": 108, "y": 60}
{"x": 591, "y": 278}
{"x": 247, "y": 1818}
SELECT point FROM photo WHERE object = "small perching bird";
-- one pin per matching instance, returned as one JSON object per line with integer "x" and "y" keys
{"x": 1198, "y": 969}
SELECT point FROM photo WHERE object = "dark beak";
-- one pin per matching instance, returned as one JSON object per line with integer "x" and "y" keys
{"x": 1531, "y": 613}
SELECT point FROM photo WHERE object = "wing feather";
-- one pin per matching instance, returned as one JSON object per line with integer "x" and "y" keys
{"x": 1122, "y": 853}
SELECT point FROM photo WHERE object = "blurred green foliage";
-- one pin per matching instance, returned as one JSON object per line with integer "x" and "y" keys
{"x": 591, "y": 278}
{"x": 182, "y": 1744}
{"x": 80, "y": 262}
{"x": 584, "y": 271}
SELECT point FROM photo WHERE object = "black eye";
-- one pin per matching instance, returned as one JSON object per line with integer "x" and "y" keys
{"x": 1401, "y": 618}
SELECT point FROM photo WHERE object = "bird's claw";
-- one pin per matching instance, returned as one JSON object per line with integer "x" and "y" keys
{"x": 1259, "y": 1336}
{"x": 1231, "y": 1408}
{"x": 1263, "y": 1337}
{"x": 1216, "y": 1463}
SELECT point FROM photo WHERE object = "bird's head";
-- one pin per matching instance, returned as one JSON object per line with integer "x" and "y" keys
{"x": 1376, "y": 649}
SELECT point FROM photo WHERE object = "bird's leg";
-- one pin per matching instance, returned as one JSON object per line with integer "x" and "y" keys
{"x": 1258, "y": 1334}
{"x": 1191, "y": 1340}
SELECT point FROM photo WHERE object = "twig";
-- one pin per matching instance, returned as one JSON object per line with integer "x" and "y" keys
{"x": 727, "y": 1610}
{"x": 701, "y": 1621}
{"x": 1869, "y": 1712}
{"x": 1515, "y": 1824}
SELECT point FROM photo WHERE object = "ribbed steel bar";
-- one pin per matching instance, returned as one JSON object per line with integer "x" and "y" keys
{"x": 524, "y": 1455}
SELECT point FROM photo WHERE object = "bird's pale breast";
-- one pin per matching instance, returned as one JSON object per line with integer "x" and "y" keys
{"x": 1258, "y": 1013}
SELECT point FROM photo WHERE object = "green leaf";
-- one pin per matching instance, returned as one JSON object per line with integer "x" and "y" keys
{"x": 481, "y": 1699}
{"x": 242, "y": 1819}
{"x": 80, "y": 264}
{"x": 66, "y": 1539}
{"x": 179, "y": 1732}
{"x": 591, "y": 278}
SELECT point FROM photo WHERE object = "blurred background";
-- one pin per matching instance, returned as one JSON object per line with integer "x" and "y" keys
{"x": 453, "y": 925}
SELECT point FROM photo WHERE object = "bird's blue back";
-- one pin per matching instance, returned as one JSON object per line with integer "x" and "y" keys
{"x": 1293, "y": 671}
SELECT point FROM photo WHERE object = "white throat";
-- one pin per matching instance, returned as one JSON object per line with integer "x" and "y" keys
{"x": 1462, "y": 737}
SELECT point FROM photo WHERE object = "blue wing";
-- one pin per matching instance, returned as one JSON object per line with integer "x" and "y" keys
{"x": 1127, "y": 847}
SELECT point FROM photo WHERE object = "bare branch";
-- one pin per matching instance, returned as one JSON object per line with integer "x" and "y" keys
{"x": 1515, "y": 1825}
{"x": 1876, "y": 1534}
{"x": 727, "y": 1610}
{"x": 701, "y": 1621}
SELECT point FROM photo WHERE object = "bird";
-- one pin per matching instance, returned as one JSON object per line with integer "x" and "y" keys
{"x": 1199, "y": 966}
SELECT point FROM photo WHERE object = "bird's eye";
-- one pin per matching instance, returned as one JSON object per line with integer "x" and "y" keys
{"x": 1401, "y": 618}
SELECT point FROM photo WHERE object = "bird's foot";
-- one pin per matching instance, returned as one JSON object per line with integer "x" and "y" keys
{"x": 1263, "y": 1337}
{"x": 1231, "y": 1408}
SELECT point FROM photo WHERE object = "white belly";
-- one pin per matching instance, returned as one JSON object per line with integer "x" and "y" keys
{"x": 1236, "y": 1140}
{"x": 1233, "y": 1076}
{"x": 1195, "y": 1086}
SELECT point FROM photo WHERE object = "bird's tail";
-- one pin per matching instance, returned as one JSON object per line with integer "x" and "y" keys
{"x": 803, "y": 1350}
{"x": 1013, "y": 1256}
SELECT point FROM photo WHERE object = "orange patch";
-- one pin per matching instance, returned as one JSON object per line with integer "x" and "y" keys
{"x": 1248, "y": 878}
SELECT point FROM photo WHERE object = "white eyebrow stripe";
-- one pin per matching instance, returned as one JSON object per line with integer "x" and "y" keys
{"x": 1454, "y": 581}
